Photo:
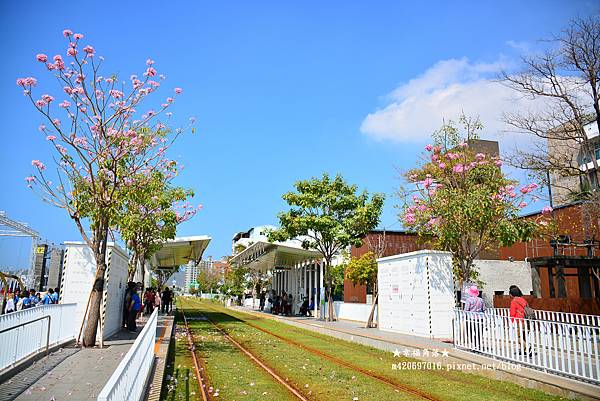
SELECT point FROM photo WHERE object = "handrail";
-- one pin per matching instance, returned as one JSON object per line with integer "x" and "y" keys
{"x": 32, "y": 321}
{"x": 129, "y": 379}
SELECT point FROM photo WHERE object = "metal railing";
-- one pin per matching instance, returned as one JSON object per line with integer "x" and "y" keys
{"x": 34, "y": 330}
{"x": 552, "y": 316}
{"x": 563, "y": 348}
{"x": 128, "y": 382}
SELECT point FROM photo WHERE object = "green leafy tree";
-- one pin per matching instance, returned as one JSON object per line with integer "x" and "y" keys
{"x": 463, "y": 203}
{"x": 150, "y": 215}
{"x": 363, "y": 270}
{"x": 328, "y": 215}
{"x": 235, "y": 281}
{"x": 337, "y": 280}
{"x": 207, "y": 280}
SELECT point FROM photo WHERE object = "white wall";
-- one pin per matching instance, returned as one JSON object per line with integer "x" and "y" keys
{"x": 499, "y": 275}
{"x": 358, "y": 312}
{"x": 114, "y": 290}
{"x": 78, "y": 278}
{"x": 416, "y": 293}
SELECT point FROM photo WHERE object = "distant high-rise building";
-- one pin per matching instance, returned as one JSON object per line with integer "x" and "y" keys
{"x": 192, "y": 270}
{"x": 48, "y": 267}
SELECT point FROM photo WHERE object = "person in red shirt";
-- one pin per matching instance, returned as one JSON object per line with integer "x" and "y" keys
{"x": 517, "y": 316}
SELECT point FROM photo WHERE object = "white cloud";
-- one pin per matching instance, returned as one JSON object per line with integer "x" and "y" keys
{"x": 418, "y": 107}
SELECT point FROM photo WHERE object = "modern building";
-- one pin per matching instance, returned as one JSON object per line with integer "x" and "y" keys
{"x": 244, "y": 239}
{"x": 192, "y": 269}
{"x": 569, "y": 153}
{"x": 48, "y": 267}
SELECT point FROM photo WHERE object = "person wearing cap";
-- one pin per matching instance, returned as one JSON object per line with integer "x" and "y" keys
{"x": 475, "y": 305}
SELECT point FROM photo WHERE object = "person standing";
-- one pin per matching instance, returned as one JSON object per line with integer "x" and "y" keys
{"x": 126, "y": 302}
{"x": 10, "y": 304}
{"x": 475, "y": 306}
{"x": 517, "y": 316}
{"x": 135, "y": 305}
{"x": 49, "y": 297}
{"x": 261, "y": 301}
{"x": 55, "y": 295}
{"x": 157, "y": 300}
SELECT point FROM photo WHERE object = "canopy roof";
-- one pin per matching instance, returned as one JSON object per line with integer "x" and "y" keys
{"x": 180, "y": 251}
{"x": 263, "y": 256}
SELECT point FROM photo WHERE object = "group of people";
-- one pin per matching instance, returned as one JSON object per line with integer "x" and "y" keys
{"x": 153, "y": 298}
{"x": 519, "y": 308}
{"x": 280, "y": 304}
{"x": 25, "y": 299}
{"x": 133, "y": 307}
{"x": 519, "y": 311}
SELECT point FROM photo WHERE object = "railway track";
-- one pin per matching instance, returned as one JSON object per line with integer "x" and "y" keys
{"x": 396, "y": 386}
{"x": 206, "y": 396}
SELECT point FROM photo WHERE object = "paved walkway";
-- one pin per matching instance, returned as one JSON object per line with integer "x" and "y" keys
{"x": 401, "y": 343}
{"x": 72, "y": 373}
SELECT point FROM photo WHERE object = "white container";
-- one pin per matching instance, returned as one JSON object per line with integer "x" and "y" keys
{"x": 416, "y": 294}
{"x": 77, "y": 280}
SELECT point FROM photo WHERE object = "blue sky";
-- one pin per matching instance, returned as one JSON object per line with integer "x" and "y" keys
{"x": 281, "y": 91}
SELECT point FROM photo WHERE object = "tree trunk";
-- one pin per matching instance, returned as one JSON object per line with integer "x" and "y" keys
{"x": 91, "y": 328}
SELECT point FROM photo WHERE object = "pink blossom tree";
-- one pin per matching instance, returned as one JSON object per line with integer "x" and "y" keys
{"x": 101, "y": 145}
{"x": 462, "y": 202}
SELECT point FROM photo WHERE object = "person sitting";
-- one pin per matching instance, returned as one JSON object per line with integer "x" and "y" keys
{"x": 304, "y": 311}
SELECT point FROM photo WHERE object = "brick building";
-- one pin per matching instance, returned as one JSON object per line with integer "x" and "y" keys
{"x": 393, "y": 243}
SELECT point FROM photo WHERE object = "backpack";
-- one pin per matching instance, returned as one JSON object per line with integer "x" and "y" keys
{"x": 528, "y": 312}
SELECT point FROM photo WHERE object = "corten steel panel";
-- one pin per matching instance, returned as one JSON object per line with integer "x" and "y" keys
{"x": 572, "y": 221}
{"x": 569, "y": 305}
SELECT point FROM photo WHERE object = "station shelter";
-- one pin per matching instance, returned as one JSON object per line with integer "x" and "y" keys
{"x": 291, "y": 268}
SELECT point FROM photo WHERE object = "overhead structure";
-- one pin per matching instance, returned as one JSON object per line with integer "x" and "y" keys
{"x": 292, "y": 269}
{"x": 264, "y": 256}
{"x": 180, "y": 251}
{"x": 13, "y": 228}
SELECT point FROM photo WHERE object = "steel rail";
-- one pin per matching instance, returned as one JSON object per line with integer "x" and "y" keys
{"x": 382, "y": 379}
{"x": 190, "y": 338}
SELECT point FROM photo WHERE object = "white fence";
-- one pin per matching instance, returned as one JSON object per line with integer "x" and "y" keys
{"x": 30, "y": 331}
{"x": 563, "y": 348}
{"x": 559, "y": 317}
{"x": 128, "y": 382}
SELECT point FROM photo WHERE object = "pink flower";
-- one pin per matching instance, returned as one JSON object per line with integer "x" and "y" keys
{"x": 38, "y": 164}
{"x": 498, "y": 162}
{"x": 409, "y": 218}
{"x": 67, "y": 33}
{"x": 56, "y": 122}
{"x": 89, "y": 50}
{"x": 464, "y": 145}
{"x": 78, "y": 36}
{"x": 30, "y": 179}
{"x": 150, "y": 72}
{"x": 116, "y": 94}
{"x": 442, "y": 166}
{"x": 71, "y": 52}
{"x": 42, "y": 58}
{"x": 547, "y": 210}
{"x": 178, "y": 90}
{"x": 435, "y": 157}
{"x": 459, "y": 168}
{"x": 29, "y": 81}
{"x": 522, "y": 205}
{"x": 149, "y": 62}
{"x": 479, "y": 156}
{"x": 169, "y": 100}
{"x": 428, "y": 148}
{"x": 427, "y": 182}
{"x": 50, "y": 138}
{"x": 64, "y": 104}
{"x": 40, "y": 103}
{"x": 47, "y": 98}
